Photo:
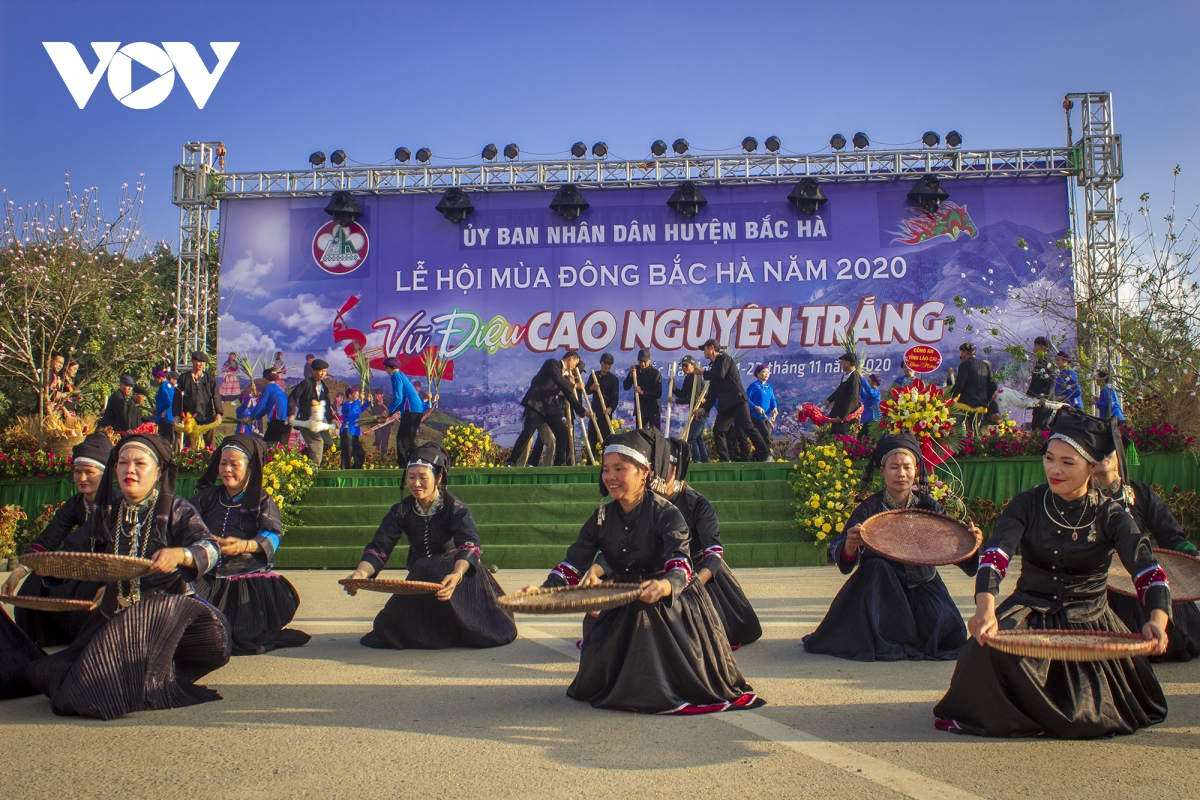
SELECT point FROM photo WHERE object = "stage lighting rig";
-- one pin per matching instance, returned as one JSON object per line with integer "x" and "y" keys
{"x": 343, "y": 208}
{"x": 511, "y": 151}
{"x": 928, "y": 193}
{"x": 807, "y": 197}
{"x": 930, "y": 139}
{"x": 403, "y": 154}
{"x": 953, "y": 139}
{"x": 568, "y": 203}
{"x": 579, "y": 149}
{"x": 861, "y": 141}
{"x": 424, "y": 154}
{"x": 687, "y": 199}
{"x": 490, "y": 152}
{"x": 773, "y": 144}
{"x": 317, "y": 159}
{"x": 659, "y": 147}
{"x": 600, "y": 150}
{"x": 837, "y": 141}
{"x": 455, "y": 205}
{"x": 337, "y": 158}
{"x": 749, "y": 144}
{"x": 680, "y": 146}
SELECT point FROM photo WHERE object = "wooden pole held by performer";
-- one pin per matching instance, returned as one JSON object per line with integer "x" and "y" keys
{"x": 670, "y": 394}
{"x": 588, "y": 455}
{"x": 696, "y": 403}
{"x": 637, "y": 400}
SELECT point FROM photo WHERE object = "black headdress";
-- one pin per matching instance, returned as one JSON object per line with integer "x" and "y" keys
{"x": 681, "y": 457}
{"x": 93, "y": 450}
{"x": 256, "y": 453}
{"x": 155, "y": 444}
{"x": 888, "y": 444}
{"x": 433, "y": 456}
{"x": 1093, "y": 438}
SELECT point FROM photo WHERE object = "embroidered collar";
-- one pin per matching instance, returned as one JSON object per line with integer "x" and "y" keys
{"x": 434, "y": 507}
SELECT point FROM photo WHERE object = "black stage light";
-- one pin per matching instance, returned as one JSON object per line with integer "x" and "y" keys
{"x": 860, "y": 141}
{"x": 424, "y": 154}
{"x": 344, "y": 208}
{"x": 317, "y": 159}
{"x": 680, "y": 146}
{"x": 659, "y": 147}
{"x": 953, "y": 139}
{"x": 579, "y": 149}
{"x": 599, "y": 149}
{"x": 687, "y": 199}
{"x": 568, "y": 203}
{"x": 403, "y": 154}
{"x": 807, "y": 197}
{"x": 928, "y": 193}
{"x": 337, "y": 157}
{"x": 837, "y": 141}
{"x": 455, "y": 205}
{"x": 490, "y": 152}
{"x": 511, "y": 151}
{"x": 749, "y": 144}
{"x": 773, "y": 144}
{"x": 930, "y": 139}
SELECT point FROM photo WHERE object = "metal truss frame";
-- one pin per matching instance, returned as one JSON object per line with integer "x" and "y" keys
{"x": 195, "y": 189}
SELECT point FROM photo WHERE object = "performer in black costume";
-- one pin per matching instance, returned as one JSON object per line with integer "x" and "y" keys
{"x": 541, "y": 406}
{"x": 973, "y": 387}
{"x": 847, "y": 397}
{"x": 665, "y": 653}
{"x": 606, "y": 386}
{"x": 726, "y": 392}
{"x": 648, "y": 392}
{"x": 196, "y": 393}
{"x": 1041, "y": 381}
{"x": 121, "y": 412}
{"x": 1067, "y": 534}
{"x": 88, "y": 460}
{"x": 244, "y": 520}
{"x": 443, "y": 547}
{"x": 886, "y": 610}
{"x": 150, "y": 640}
{"x": 1155, "y": 520}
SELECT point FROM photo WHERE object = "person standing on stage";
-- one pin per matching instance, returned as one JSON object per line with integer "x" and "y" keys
{"x": 352, "y": 449}
{"x": 869, "y": 396}
{"x": 118, "y": 411}
{"x": 1066, "y": 383}
{"x": 409, "y": 404}
{"x": 683, "y": 394}
{"x": 1041, "y": 382}
{"x": 605, "y": 390}
{"x": 555, "y": 379}
{"x": 304, "y": 397}
{"x": 1107, "y": 403}
{"x": 384, "y": 432}
{"x": 726, "y": 392}
{"x": 164, "y": 401}
{"x": 272, "y": 407}
{"x": 763, "y": 408}
{"x": 845, "y": 399}
{"x": 245, "y": 411}
{"x": 196, "y": 394}
{"x": 907, "y": 376}
{"x": 973, "y": 387}
{"x": 649, "y": 390}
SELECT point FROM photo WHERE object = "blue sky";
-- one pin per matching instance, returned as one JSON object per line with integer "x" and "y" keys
{"x": 370, "y": 76}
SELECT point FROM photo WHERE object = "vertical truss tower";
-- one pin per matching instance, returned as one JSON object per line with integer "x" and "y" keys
{"x": 197, "y": 183}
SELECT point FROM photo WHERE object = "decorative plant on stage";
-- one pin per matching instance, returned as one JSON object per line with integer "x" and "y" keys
{"x": 253, "y": 369}
{"x": 435, "y": 369}
{"x": 36, "y": 526}
{"x": 1002, "y": 441}
{"x": 470, "y": 446}
{"x": 825, "y": 481}
{"x": 287, "y": 477}
{"x": 194, "y": 459}
{"x": 922, "y": 410}
{"x": 618, "y": 426}
{"x": 362, "y": 367}
{"x": 33, "y": 464}
{"x": 12, "y": 520}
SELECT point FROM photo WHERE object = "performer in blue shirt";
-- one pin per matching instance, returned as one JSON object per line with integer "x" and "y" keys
{"x": 869, "y": 395}
{"x": 273, "y": 407}
{"x": 1107, "y": 403}
{"x": 409, "y": 404}
{"x": 250, "y": 400}
{"x": 763, "y": 408}
{"x": 1066, "y": 385}
{"x": 352, "y": 449}
{"x": 164, "y": 403}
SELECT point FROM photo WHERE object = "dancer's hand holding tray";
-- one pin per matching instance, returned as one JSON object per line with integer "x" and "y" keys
{"x": 1183, "y": 571}
{"x": 921, "y": 538}
{"x": 570, "y": 599}
{"x": 1071, "y": 645}
{"x": 388, "y": 586}
{"x": 95, "y": 567}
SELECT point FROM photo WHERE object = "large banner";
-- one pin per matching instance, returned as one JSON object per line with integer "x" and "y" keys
{"x": 516, "y": 283}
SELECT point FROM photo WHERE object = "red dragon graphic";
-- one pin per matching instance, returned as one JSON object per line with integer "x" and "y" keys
{"x": 949, "y": 220}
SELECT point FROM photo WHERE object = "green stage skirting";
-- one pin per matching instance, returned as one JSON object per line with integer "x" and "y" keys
{"x": 528, "y": 517}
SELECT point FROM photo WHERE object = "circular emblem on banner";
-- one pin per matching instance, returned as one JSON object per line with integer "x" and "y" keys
{"x": 922, "y": 358}
{"x": 340, "y": 250}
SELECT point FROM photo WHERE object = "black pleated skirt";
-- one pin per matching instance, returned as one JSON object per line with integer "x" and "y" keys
{"x": 1183, "y": 632}
{"x": 146, "y": 657}
{"x": 49, "y": 628}
{"x": 470, "y": 618}
{"x": 737, "y": 615}
{"x": 672, "y": 657}
{"x": 258, "y": 606}
{"x": 996, "y": 694}
{"x": 17, "y": 651}
{"x": 875, "y": 617}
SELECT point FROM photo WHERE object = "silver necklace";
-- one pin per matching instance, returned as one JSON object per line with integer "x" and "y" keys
{"x": 133, "y": 516}
{"x": 1061, "y": 521}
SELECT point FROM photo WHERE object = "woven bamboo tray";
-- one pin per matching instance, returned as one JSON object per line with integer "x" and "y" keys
{"x": 47, "y": 603}
{"x": 921, "y": 538}
{"x": 98, "y": 567}
{"x": 1071, "y": 645}
{"x": 571, "y": 599}
{"x": 390, "y": 586}
{"x": 1183, "y": 571}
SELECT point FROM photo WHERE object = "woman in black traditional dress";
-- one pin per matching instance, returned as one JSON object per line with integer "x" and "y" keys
{"x": 665, "y": 653}
{"x": 889, "y": 611}
{"x": 88, "y": 460}
{"x": 1154, "y": 519}
{"x": 244, "y": 520}
{"x": 152, "y": 639}
{"x": 1067, "y": 533}
{"x": 443, "y": 547}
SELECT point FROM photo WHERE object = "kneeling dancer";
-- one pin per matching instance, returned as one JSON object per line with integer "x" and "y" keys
{"x": 1067, "y": 533}
{"x": 665, "y": 653}
{"x": 153, "y": 640}
{"x": 889, "y": 611}
{"x": 443, "y": 547}
{"x": 244, "y": 520}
